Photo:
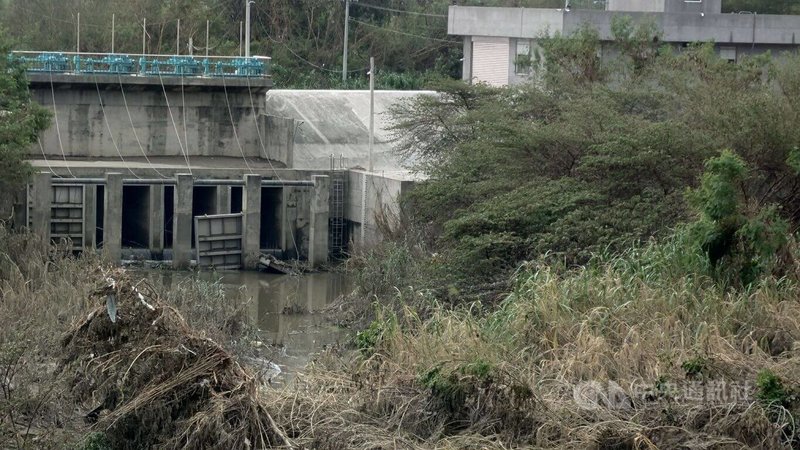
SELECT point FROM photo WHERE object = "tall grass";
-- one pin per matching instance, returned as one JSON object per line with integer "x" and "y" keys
{"x": 650, "y": 321}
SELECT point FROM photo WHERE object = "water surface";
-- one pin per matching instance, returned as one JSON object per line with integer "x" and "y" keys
{"x": 288, "y": 309}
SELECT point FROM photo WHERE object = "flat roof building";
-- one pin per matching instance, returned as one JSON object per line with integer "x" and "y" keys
{"x": 494, "y": 38}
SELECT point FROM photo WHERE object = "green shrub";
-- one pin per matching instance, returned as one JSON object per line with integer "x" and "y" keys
{"x": 771, "y": 390}
{"x": 741, "y": 245}
{"x": 95, "y": 441}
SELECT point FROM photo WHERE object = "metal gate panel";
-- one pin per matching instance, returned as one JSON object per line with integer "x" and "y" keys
{"x": 67, "y": 214}
{"x": 218, "y": 241}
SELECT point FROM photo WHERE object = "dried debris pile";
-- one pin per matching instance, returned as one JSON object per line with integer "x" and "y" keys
{"x": 149, "y": 381}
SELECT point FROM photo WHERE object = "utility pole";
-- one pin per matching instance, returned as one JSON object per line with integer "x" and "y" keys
{"x": 113, "y": 20}
{"x": 207, "y": 24}
{"x": 346, "y": 28}
{"x": 144, "y": 36}
{"x": 240, "y": 38}
{"x": 78, "y": 44}
{"x": 247, "y": 28}
{"x": 178, "y": 39}
{"x": 371, "y": 109}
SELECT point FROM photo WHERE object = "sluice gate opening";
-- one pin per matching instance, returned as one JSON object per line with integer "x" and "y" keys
{"x": 135, "y": 216}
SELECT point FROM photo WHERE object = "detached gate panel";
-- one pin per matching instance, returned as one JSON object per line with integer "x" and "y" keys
{"x": 67, "y": 215}
{"x": 218, "y": 241}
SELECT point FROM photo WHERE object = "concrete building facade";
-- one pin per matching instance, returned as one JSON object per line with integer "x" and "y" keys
{"x": 499, "y": 42}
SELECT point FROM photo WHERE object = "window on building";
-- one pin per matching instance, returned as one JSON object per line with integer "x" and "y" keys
{"x": 523, "y": 61}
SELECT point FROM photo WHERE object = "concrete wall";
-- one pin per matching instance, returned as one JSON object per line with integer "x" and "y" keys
{"x": 382, "y": 201}
{"x": 330, "y": 122}
{"x": 636, "y": 5}
{"x": 507, "y": 22}
{"x": 203, "y": 124}
{"x": 683, "y": 6}
{"x": 677, "y": 26}
{"x": 279, "y": 139}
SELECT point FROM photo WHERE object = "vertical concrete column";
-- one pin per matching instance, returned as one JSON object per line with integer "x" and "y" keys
{"x": 156, "y": 243}
{"x": 20, "y": 208}
{"x": 112, "y": 218}
{"x": 89, "y": 216}
{"x": 182, "y": 222}
{"x": 320, "y": 212}
{"x": 251, "y": 221}
{"x": 223, "y": 201}
{"x": 283, "y": 219}
{"x": 42, "y": 198}
{"x": 466, "y": 68}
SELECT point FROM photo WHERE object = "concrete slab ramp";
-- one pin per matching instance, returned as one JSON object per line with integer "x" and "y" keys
{"x": 337, "y": 123}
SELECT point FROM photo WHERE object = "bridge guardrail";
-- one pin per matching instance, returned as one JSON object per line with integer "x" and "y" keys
{"x": 145, "y": 65}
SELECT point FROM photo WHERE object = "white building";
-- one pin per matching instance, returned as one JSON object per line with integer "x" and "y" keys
{"x": 497, "y": 39}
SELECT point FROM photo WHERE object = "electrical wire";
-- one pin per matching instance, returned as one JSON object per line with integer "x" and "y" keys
{"x": 174, "y": 126}
{"x": 183, "y": 116}
{"x": 403, "y": 32}
{"x": 233, "y": 126}
{"x": 316, "y": 66}
{"x": 266, "y": 156}
{"x": 136, "y": 135}
{"x": 45, "y": 159}
{"x": 58, "y": 128}
{"x": 383, "y": 8}
{"x": 108, "y": 126}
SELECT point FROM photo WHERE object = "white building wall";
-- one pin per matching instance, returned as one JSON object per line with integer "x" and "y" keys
{"x": 636, "y": 5}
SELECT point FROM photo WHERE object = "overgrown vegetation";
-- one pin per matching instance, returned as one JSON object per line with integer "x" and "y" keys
{"x": 644, "y": 210}
{"x": 115, "y": 373}
{"x": 598, "y": 154}
{"x": 640, "y": 350}
{"x": 21, "y": 120}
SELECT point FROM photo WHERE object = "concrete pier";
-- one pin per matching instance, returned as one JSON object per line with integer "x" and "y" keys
{"x": 42, "y": 197}
{"x": 156, "y": 241}
{"x": 182, "y": 222}
{"x": 320, "y": 212}
{"x": 89, "y": 216}
{"x": 223, "y": 201}
{"x": 112, "y": 218}
{"x": 251, "y": 221}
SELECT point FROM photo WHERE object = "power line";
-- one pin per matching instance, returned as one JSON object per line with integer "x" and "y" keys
{"x": 133, "y": 128}
{"x": 108, "y": 127}
{"x": 383, "y": 8}
{"x": 58, "y": 129}
{"x": 316, "y": 66}
{"x": 404, "y": 33}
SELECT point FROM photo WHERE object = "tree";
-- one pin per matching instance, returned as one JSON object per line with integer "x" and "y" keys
{"x": 21, "y": 120}
{"x": 600, "y": 153}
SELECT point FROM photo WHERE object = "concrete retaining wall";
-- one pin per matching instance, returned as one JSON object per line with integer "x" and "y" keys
{"x": 382, "y": 203}
{"x": 197, "y": 123}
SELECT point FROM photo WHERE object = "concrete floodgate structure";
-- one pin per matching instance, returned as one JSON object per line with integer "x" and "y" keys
{"x": 131, "y": 163}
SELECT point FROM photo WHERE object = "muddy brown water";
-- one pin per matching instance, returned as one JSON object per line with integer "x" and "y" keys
{"x": 288, "y": 309}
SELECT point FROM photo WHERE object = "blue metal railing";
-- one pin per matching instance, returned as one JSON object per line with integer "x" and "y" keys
{"x": 146, "y": 65}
